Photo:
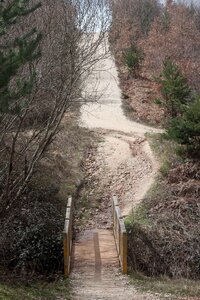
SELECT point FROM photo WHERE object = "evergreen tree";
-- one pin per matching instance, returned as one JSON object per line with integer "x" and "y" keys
{"x": 148, "y": 10}
{"x": 186, "y": 129}
{"x": 133, "y": 58}
{"x": 15, "y": 54}
{"x": 174, "y": 89}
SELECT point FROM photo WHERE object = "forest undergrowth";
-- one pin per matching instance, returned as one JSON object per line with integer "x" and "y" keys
{"x": 34, "y": 249}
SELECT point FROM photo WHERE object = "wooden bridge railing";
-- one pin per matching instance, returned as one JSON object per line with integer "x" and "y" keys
{"x": 120, "y": 235}
{"x": 67, "y": 237}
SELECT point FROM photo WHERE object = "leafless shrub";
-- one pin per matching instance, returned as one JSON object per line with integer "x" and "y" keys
{"x": 131, "y": 20}
{"x": 176, "y": 36}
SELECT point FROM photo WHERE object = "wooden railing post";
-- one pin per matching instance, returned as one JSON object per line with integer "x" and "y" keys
{"x": 123, "y": 247}
{"x": 120, "y": 235}
{"x": 66, "y": 250}
{"x": 67, "y": 237}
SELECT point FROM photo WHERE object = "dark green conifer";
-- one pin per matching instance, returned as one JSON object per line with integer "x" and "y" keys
{"x": 174, "y": 89}
{"x": 15, "y": 54}
{"x": 186, "y": 129}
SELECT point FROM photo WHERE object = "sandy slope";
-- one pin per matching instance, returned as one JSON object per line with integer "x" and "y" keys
{"x": 125, "y": 148}
{"x": 124, "y": 165}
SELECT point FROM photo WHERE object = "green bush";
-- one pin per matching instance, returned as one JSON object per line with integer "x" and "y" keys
{"x": 31, "y": 232}
{"x": 133, "y": 58}
{"x": 186, "y": 128}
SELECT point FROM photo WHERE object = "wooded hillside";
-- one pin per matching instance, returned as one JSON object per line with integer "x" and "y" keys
{"x": 157, "y": 50}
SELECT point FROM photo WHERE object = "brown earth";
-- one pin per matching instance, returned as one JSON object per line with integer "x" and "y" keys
{"x": 139, "y": 98}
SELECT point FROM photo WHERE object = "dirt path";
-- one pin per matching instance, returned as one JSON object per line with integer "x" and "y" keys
{"x": 123, "y": 165}
{"x": 126, "y": 167}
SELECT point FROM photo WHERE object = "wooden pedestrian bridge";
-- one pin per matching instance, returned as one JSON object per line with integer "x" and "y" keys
{"x": 97, "y": 249}
{"x": 96, "y": 261}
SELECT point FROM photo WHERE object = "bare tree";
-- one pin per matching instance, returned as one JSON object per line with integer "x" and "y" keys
{"x": 68, "y": 48}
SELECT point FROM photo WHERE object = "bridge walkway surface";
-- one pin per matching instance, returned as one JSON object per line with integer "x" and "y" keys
{"x": 95, "y": 269}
